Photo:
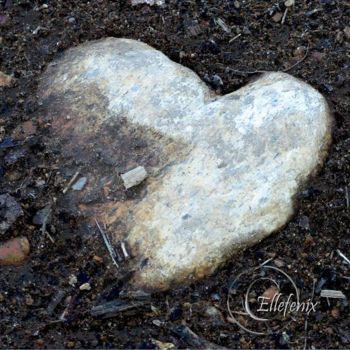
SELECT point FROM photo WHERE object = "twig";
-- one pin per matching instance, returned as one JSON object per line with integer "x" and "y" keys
{"x": 234, "y": 38}
{"x": 124, "y": 249}
{"x": 284, "y": 15}
{"x": 70, "y": 182}
{"x": 313, "y": 289}
{"x": 248, "y": 72}
{"x": 343, "y": 256}
{"x": 265, "y": 262}
{"x": 113, "y": 308}
{"x": 347, "y": 197}
{"x": 108, "y": 244}
{"x": 43, "y": 226}
{"x": 295, "y": 64}
{"x": 270, "y": 71}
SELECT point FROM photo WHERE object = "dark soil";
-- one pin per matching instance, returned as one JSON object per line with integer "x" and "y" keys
{"x": 34, "y": 296}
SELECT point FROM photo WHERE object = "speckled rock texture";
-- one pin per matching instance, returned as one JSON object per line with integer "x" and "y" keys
{"x": 223, "y": 170}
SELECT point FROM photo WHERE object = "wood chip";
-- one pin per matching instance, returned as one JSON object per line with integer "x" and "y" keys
{"x": 113, "y": 308}
{"x": 334, "y": 294}
{"x": 134, "y": 177}
{"x": 220, "y": 22}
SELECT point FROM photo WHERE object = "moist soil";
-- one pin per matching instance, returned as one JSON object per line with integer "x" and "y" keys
{"x": 227, "y": 43}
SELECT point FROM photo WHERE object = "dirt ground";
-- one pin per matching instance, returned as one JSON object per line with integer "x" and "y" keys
{"x": 225, "y": 42}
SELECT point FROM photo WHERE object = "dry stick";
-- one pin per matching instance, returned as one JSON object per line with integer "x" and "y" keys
{"x": 347, "y": 197}
{"x": 234, "y": 38}
{"x": 269, "y": 71}
{"x": 108, "y": 244}
{"x": 70, "y": 182}
{"x": 265, "y": 262}
{"x": 284, "y": 15}
{"x": 124, "y": 249}
{"x": 295, "y": 64}
{"x": 43, "y": 226}
{"x": 343, "y": 256}
{"x": 113, "y": 308}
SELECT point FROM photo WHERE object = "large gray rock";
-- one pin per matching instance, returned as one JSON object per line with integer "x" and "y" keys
{"x": 223, "y": 170}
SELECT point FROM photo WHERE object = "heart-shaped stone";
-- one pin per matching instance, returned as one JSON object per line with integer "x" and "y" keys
{"x": 223, "y": 169}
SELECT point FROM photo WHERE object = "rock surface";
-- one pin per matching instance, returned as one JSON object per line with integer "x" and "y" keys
{"x": 223, "y": 170}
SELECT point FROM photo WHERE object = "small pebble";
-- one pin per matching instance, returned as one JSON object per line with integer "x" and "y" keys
{"x": 237, "y": 4}
{"x": 163, "y": 346}
{"x": 279, "y": 262}
{"x": 157, "y": 323}
{"x": 79, "y": 185}
{"x": 335, "y": 312}
{"x": 289, "y": 3}
{"x": 213, "y": 312}
{"x": 270, "y": 293}
{"x": 72, "y": 280}
{"x": 309, "y": 240}
{"x": 277, "y": 17}
{"x": 299, "y": 52}
{"x": 70, "y": 344}
{"x": 39, "y": 343}
{"x": 85, "y": 286}
{"x": 318, "y": 56}
{"x": 14, "y": 251}
{"x": 29, "y": 300}
{"x": 215, "y": 297}
{"x": 97, "y": 259}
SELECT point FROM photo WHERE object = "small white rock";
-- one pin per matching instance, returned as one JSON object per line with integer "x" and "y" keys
{"x": 289, "y": 3}
{"x": 72, "y": 280}
{"x": 85, "y": 286}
